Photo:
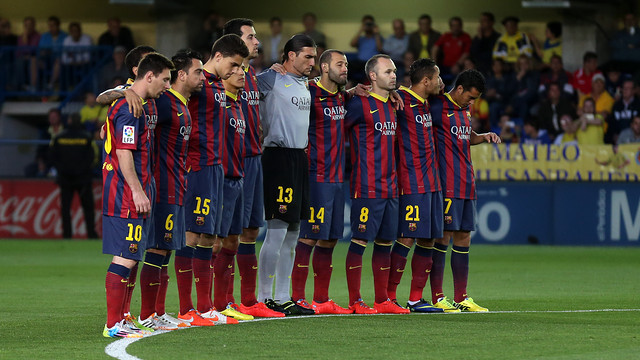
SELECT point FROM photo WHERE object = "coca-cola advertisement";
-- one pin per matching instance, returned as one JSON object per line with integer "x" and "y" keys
{"x": 31, "y": 209}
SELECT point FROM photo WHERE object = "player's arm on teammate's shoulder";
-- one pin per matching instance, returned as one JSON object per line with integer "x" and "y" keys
{"x": 140, "y": 199}
{"x": 109, "y": 96}
{"x": 489, "y": 137}
{"x": 358, "y": 90}
{"x": 396, "y": 100}
{"x": 266, "y": 80}
{"x": 279, "y": 68}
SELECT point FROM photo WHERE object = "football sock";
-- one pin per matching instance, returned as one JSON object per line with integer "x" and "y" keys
{"x": 460, "y": 271}
{"x": 399, "y": 255}
{"x": 354, "y": 270}
{"x": 420, "y": 268}
{"x": 202, "y": 276}
{"x": 437, "y": 271}
{"x": 133, "y": 275}
{"x": 232, "y": 275}
{"x": 150, "y": 283}
{"x": 268, "y": 258}
{"x": 184, "y": 277}
{"x": 381, "y": 264}
{"x": 285, "y": 264}
{"x": 211, "y": 274}
{"x": 300, "y": 270}
{"x": 248, "y": 268}
{"x": 322, "y": 269}
{"x": 164, "y": 284}
{"x": 116, "y": 287}
{"x": 222, "y": 271}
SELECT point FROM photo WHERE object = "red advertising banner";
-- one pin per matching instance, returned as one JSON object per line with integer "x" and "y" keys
{"x": 31, "y": 209}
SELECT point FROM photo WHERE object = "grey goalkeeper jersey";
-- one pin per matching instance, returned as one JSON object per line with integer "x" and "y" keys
{"x": 285, "y": 104}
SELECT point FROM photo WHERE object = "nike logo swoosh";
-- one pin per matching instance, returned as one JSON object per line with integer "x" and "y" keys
{"x": 210, "y": 267}
{"x": 229, "y": 266}
{"x": 287, "y": 85}
{"x": 373, "y": 111}
{"x": 228, "y": 106}
{"x": 450, "y": 115}
{"x": 187, "y": 320}
{"x": 400, "y": 270}
{"x": 414, "y": 105}
{"x": 124, "y": 281}
{"x": 428, "y": 271}
{"x": 180, "y": 114}
{"x": 184, "y": 271}
{"x": 254, "y": 267}
{"x": 211, "y": 82}
{"x": 154, "y": 284}
{"x": 271, "y": 276}
{"x": 354, "y": 267}
{"x": 385, "y": 268}
{"x": 323, "y": 99}
{"x": 303, "y": 266}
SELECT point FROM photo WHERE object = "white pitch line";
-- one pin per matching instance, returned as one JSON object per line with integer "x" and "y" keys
{"x": 118, "y": 348}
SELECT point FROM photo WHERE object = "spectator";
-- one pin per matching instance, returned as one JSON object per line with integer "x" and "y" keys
{"x": 590, "y": 130}
{"x": 42, "y": 164}
{"x": 90, "y": 112}
{"x": 513, "y": 43}
{"x": 613, "y": 82}
{"x": 273, "y": 45}
{"x": 500, "y": 86}
{"x": 54, "y": 38}
{"x": 553, "y": 109}
{"x": 81, "y": 42}
{"x": 483, "y": 43}
{"x": 7, "y": 38}
{"x": 632, "y": 133}
{"x": 405, "y": 65}
{"x": 211, "y": 30}
{"x": 526, "y": 88}
{"x": 397, "y": 44}
{"x": 309, "y": 21}
{"x": 117, "y": 35}
{"x": 49, "y": 48}
{"x": 26, "y": 61}
{"x": 367, "y": 40}
{"x": 581, "y": 80}
{"x": 422, "y": 40}
{"x": 623, "y": 111}
{"x": 603, "y": 101}
{"x": 72, "y": 155}
{"x": 452, "y": 48}
{"x": 552, "y": 43}
{"x": 568, "y": 134}
{"x": 625, "y": 45}
{"x": 115, "y": 68}
{"x": 508, "y": 130}
{"x": 533, "y": 135}
{"x": 556, "y": 73}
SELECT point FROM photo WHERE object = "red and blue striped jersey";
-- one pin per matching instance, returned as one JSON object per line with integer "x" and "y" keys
{"x": 170, "y": 150}
{"x": 124, "y": 131}
{"x": 208, "y": 115}
{"x": 250, "y": 96}
{"x": 370, "y": 124}
{"x": 235, "y": 128}
{"x": 326, "y": 138}
{"x": 453, "y": 135}
{"x": 416, "y": 152}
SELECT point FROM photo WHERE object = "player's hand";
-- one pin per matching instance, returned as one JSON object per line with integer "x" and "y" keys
{"x": 103, "y": 130}
{"x": 362, "y": 90}
{"x": 492, "y": 137}
{"x": 140, "y": 199}
{"x": 279, "y": 68}
{"x": 396, "y": 100}
{"x": 134, "y": 101}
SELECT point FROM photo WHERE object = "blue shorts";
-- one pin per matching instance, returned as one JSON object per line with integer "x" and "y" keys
{"x": 123, "y": 237}
{"x": 148, "y": 227}
{"x": 232, "y": 210}
{"x": 203, "y": 200}
{"x": 168, "y": 227}
{"x": 327, "y": 212}
{"x": 374, "y": 219}
{"x": 459, "y": 215}
{"x": 421, "y": 216}
{"x": 253, "y": 193}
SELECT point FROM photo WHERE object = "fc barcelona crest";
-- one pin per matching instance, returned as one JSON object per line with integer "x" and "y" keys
{"x": 362, "y": 227}
{"x": 315, "y": 229}
{"x": 200, "y": 220}
{"x": 168, "y": 237}
{"x": 448, "y": 219}
{"x": 133, "y": 248}
{"x": 413, "y": 226}
{"x": 283, "y": 209}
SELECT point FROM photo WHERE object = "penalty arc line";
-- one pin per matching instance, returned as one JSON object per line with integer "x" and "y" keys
{"x": 118, "y": 348}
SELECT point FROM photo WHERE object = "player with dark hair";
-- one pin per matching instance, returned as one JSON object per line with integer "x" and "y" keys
{"x": 371, "y": 126}
{"x": 285, "y": 103}
{"x": 203, "y": 199}
{"x": 126, "y": 174}
{"x": 420, "y": 209}
{"x": 253, "y": 217}
{"x": 172, "y": 131}
{"x": 454, "y": 135}
{"x": 321, "y": 232}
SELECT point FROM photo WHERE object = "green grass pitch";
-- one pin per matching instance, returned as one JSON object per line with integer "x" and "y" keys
{"x": 53, "y": 306}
